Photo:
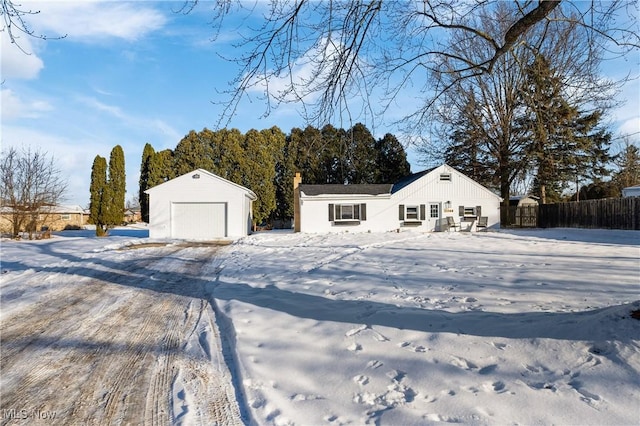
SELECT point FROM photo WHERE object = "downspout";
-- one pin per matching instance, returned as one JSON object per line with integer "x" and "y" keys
{"x": 297, "y": 180}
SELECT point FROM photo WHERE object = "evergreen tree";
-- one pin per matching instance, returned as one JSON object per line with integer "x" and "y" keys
{"x": 361, "y": 155}
{"x": 285, "y": 172}
{"x": 260, "y": 168}
{"x": 147, "y": 156}
{"x": 566, "y": 145}
{"x": 333, "y": 161}
{"x": 117, "y": 187}
{"x": 99, "y": 193}
{"x": 306, "y": 146}
{"x": 391, "y": 163}
{"x": 194, "y": 151}
{"x": 467, "y": 145}
{"x": 161, "y": 167}
{"x": 228, "y": 154}
{"x": 628, "y": 163}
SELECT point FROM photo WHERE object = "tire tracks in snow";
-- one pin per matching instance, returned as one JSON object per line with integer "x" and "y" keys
{"x": 115, "y": 347}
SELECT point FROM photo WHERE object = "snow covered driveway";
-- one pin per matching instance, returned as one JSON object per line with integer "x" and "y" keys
{"x": 510, "y": 327}
{"x": 110, "y": 336}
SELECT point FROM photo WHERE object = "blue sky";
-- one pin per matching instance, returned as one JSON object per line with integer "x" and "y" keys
{"x": 129, "y": 73}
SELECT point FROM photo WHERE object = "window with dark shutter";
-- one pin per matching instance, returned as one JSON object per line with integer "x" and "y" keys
{"x": 363, "y": 212}
{"x": 423, "y": 212}
{"x": 401, "y": 212}
{"x": 332, "y": 212}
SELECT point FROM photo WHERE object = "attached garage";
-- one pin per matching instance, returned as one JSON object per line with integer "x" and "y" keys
{"x": 200, "y": 206}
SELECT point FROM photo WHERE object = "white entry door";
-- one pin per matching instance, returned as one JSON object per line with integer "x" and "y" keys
{"x": 198, "y": 221}
{"x": 433, "y": 216}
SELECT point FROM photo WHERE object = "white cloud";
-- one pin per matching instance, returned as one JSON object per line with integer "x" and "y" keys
{"x": 14, "y": 107}
{"x": 87, "y": 20}
{"x": 17, "y": 63}
{"x": 91, "y": 19}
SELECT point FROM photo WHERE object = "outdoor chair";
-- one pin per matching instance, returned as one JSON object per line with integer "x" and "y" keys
{"x": 451, "y": 223}
{"x": 482, "y": 223}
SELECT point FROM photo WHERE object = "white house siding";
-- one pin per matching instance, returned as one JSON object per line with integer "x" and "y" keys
{"x": 383, "y": 211}
{"x": 459, "y": 191}
{"x": 314, "y": 212}
{"x": 199, "y": 205}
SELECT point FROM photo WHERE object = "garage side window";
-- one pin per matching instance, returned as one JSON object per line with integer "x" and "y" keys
{"x": 347, "y": 213}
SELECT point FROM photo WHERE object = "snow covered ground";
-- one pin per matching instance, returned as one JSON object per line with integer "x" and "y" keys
{"x": 509, "y": 327}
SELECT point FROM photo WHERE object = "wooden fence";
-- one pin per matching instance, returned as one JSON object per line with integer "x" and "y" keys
{"x": 611, "y": 213}
{"x": 523, "y": 216}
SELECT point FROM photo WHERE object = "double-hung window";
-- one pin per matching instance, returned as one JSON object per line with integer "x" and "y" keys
{"x": 347, "y": 213}
{"x": 412, "y": 213}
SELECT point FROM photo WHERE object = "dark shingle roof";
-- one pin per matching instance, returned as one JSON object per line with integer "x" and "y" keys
{"x": 409, "y": 180}
{"x": 360, "y": 189}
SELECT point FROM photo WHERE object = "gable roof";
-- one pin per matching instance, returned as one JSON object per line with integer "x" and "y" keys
{"x": 385, "y": 188}
{"x": 410, "y": 179}
{"x": 354, "y": 189}
{"x": 196, "y": 174}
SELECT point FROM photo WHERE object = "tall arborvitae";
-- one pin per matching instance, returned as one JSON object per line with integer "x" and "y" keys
{"x": 259, "y": 166}
{"x": 194, "y": 151}
{"x": 117, "y": 185}
{"x": 99, "y": 191}
{"x": 391, "y": 160}
{"x": 361, "y": 155}
{"x": 147, "y": 156}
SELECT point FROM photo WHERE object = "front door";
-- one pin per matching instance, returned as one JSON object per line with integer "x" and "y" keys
{"x": 434, "y": 216}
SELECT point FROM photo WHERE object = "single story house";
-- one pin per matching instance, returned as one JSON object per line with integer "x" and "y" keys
{"x": 425, "y": 201}
{"x": 54, "y": 218}
{"x": 200, "y": 205}
{"x": 631, "y": 191}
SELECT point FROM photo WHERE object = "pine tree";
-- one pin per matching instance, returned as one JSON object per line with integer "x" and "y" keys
{"x": 117, "y": 186}
{"x": 391, "y": 163}
{"x": 99, "y": 191}
{"x": 361, "y": 155}
{"x": 147, "y": 156}
{"x": 566, "y": 145}
{"x": 466, "y": 150}
{"x": 628, "y": 162}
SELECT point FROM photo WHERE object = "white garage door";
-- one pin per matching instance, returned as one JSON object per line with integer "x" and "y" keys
{"x": 198, "y": 221}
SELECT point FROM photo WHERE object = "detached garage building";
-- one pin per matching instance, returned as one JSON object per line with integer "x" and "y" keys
{"x": 200, "y": 206}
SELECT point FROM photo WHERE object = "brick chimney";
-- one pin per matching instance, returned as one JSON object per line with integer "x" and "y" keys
{"x": 297, "y": 180}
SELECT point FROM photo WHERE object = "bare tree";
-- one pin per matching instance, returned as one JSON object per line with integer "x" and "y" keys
{"x": 330, "y": 57}
{"x": 323, "y": 55}
{"x": 31, "y": 186}
{"x": 486, "y": 110}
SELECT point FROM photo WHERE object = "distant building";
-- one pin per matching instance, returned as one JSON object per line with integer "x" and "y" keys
{"x": 54, "y": 218}
{"x": 631, "y": 191}
{"x": 523, "y": 200}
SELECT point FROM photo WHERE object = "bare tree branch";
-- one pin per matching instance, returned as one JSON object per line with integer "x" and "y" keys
{"x": 14, "y": 23}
